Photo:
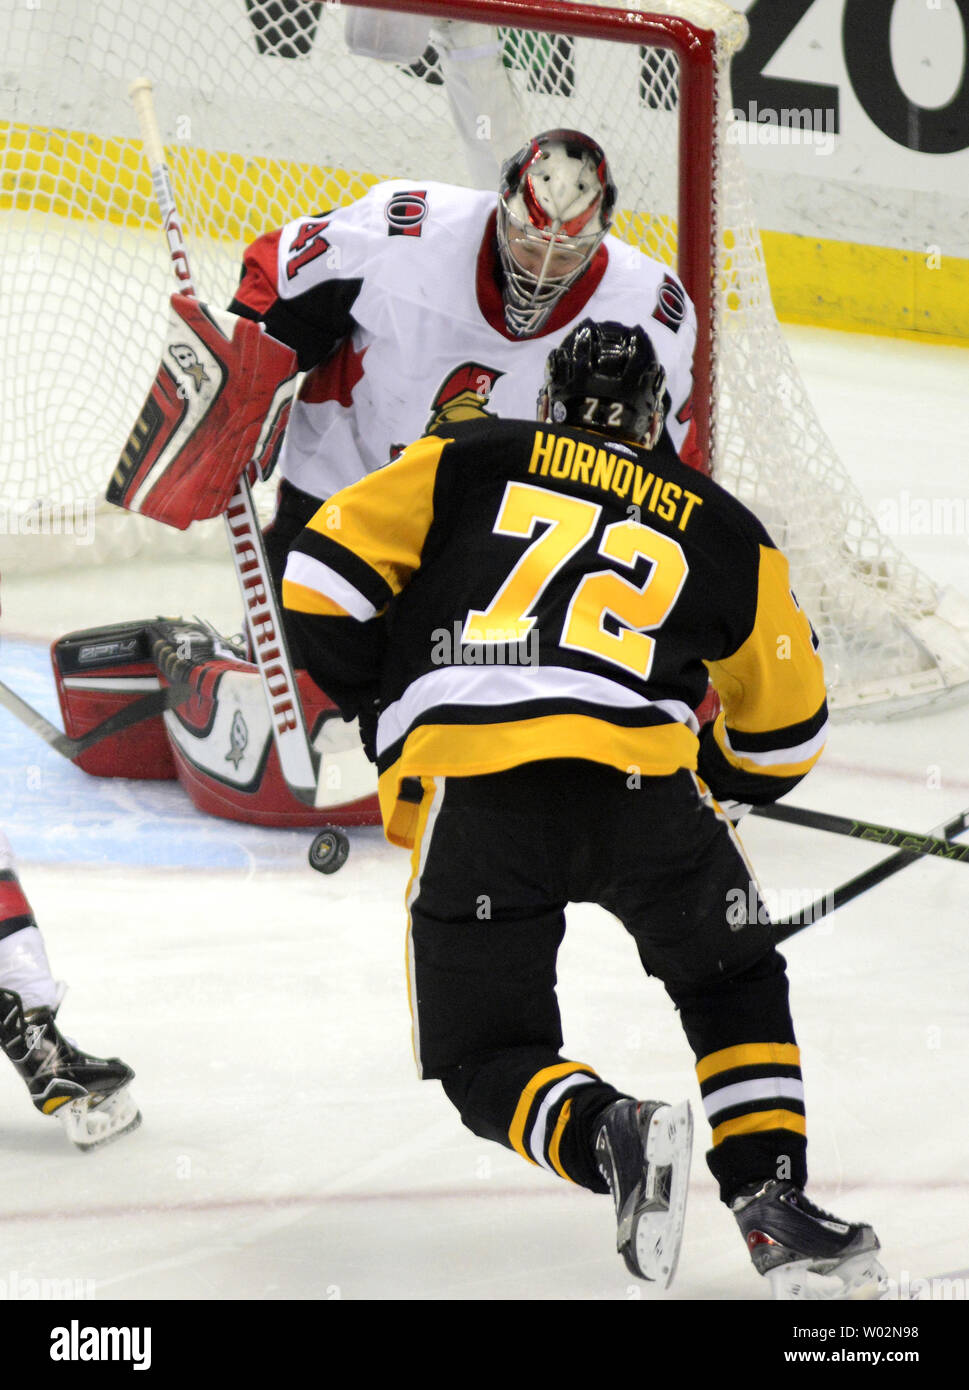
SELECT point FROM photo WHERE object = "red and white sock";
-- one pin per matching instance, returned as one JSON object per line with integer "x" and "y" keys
{"x": 24, "y": 967}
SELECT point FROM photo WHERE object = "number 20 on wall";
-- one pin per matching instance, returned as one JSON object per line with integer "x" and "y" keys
{"x": 570, "y": 522}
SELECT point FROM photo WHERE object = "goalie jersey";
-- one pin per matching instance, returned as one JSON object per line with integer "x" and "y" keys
{"x": 393, "y": 306}
{"x": 513, "y": 591}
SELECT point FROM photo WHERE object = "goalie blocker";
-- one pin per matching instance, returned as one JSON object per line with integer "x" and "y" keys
{"x": 217, "y": 408}
{"x": 218, "y": 743}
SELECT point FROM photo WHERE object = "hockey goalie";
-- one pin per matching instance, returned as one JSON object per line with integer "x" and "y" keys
{"x": 417, "y": 306}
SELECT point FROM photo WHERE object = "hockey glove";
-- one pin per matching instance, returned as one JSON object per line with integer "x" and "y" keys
{"x": 218, "y": 408}
{"x": 368, "y": 715}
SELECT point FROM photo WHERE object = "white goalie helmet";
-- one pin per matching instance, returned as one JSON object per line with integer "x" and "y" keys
{"x": 555, "y": 205}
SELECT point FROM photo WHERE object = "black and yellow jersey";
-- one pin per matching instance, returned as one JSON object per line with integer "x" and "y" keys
{"x": 520, "y": 591}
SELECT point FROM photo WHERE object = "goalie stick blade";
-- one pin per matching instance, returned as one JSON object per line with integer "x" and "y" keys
{"x": 90, "y": 1126}
{"x": 346, "y": 773}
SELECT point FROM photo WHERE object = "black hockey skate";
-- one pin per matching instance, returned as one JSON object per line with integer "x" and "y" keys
{"x": 804, "y": 1252}
{"x": 643, "y": 1152}
{"x": 89, "y": 1095}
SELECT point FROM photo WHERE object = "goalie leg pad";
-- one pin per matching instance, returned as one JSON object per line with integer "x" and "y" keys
{"x": 222, "y": 743}
{"x": 99, "y": 672}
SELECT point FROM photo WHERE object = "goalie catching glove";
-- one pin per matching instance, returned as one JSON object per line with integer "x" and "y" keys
{"x": 217, "y": 408}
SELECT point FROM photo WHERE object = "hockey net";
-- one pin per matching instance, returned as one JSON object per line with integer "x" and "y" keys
{"x": 267, "y": 115}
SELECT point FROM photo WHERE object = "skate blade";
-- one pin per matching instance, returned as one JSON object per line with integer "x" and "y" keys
{"x": 92, "y": 1125}
{"x": 653, "y": 1249}
{"x": 858, "y": 1279}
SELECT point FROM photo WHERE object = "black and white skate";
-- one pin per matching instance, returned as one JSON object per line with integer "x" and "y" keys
{"x": 91, "y": 1121}
{"x": 643, "y": 1152}
{"x": 89, "y": 1095}
{"x": 804, "y": 1252}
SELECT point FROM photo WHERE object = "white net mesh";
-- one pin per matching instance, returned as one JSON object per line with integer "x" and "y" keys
{"x": 887, "y": 646}
{"x": 265, "y": 116}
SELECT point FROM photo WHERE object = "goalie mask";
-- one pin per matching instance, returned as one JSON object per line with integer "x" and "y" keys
{"x": 606, "y": 377}
{"x": 555, "y": 205}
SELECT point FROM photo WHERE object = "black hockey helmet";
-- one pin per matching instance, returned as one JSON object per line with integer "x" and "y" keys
{"x": 606, "y": 377}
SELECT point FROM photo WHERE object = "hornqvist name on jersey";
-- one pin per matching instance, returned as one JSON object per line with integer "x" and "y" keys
{"x": 559, "y": 456}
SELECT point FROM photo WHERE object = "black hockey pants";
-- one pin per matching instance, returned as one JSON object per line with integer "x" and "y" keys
{"x": 497, "y": 860}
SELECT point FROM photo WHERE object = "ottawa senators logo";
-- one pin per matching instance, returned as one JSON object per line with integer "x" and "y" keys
{"x": 670, "y": 304}
{"x": 405, "y": 212}
{"x": 464, "y": 395}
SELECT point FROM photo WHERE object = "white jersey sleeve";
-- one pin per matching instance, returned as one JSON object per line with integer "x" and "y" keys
{"x": 303, "y": 280}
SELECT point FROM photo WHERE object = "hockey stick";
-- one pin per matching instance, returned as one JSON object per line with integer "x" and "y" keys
{"x": 788, "y": 927}
{"x": 299, "y": 764}
{"x": 146, "y": 708}
{"x": 906, "y": 840}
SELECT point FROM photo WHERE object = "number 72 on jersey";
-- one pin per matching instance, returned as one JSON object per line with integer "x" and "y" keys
{"x": 570, "y": 521}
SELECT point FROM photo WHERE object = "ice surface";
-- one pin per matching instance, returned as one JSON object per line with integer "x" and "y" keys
{"x": 288, "y": 1151}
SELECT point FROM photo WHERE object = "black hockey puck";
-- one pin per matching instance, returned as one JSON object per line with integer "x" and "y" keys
{"x": 329, "y": 850}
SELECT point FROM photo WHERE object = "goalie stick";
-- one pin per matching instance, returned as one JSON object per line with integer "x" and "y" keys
{"x": 145, "y": 708}
{"x": 854, "y": 887}
{"x": 888, "y": 835}
{"x": 300, "y": 765}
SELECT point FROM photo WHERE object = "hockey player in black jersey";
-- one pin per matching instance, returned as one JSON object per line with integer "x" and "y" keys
{"x": 526, "y": 616}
